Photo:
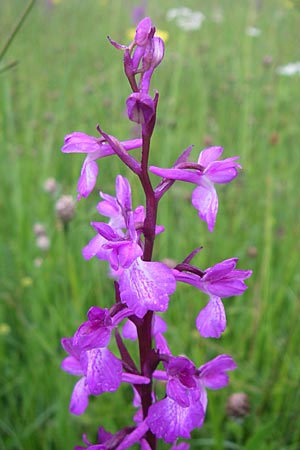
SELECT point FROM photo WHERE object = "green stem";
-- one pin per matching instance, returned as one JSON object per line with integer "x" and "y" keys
{"x": 16, "y": 28}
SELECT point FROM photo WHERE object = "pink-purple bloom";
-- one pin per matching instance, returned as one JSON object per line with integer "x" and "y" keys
{"x": 99, "y": 369}
{"x": 140, "y": 108}
{"x": 205, "y": 173}
{"x": 184, "y": 407}
{"x": 142, "y": 285}
{"x": 95, "y": 148}
{"x": 220, "y": 281}
{"x": 146, "y": 286}
{"x": 118, "y": 241}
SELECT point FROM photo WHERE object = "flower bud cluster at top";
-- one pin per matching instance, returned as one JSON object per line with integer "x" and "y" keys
{"x": 143, "y": 286}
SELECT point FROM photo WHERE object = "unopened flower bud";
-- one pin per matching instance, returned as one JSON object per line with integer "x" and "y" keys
{"x": 140, "y": 108}
{"x": 238, "y": 405}
{"x": 65, "y": 208}
{"x": 142, "y": 31}
{"x": 153, "y": 54}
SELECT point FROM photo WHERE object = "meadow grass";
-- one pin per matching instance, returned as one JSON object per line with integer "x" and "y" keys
{"x": 216, "y": 85}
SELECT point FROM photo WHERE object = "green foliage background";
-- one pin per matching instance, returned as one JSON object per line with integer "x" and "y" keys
{"x": 217, "y": 85}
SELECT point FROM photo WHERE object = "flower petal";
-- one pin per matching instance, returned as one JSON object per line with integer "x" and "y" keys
{"x": 223, "y": 171}
{"x": 88, "y": 178}
{"x": 72, "y": 366}
{"x": 209, "y": 155}
{"x": 145, "y": 286}
{"x": 129, "y": 331}
{"x": 169, "y": 421}
{"x": 103, "y": 371}
{"x": 177, "y": 174}
{"x": 134, "y": 436}
{"x": 95, "y": 247}
{"x": 123, "y": 192}
{"x": 211, "y": 321}
{"x": 212, "y": 374}
{"x": 205, "y": 200}
{"x": 78, "y": 142}
{"x": 79, "y": 398}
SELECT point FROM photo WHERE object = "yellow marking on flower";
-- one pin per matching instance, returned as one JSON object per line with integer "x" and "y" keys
{"x": 4, "y": 329}
{"x": 26, "y": 281}
{"x": 164, "y": 35}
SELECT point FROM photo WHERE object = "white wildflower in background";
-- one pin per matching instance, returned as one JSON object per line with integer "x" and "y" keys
{"x": 253, "y": 32}
{"x": 65, "y": 208}
{"x": 289, "y": 69}
{"x": 185, "y": 18}
{"x": 43, "y": 242}
{"x": 50, "y": 185}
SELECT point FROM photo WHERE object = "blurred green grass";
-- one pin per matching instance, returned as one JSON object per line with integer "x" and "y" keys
{"x": 216, "y": 85}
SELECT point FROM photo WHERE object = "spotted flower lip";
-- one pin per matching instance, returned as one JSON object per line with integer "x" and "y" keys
{"x": 205, "y": 173}
{"x": 146, "y": 286}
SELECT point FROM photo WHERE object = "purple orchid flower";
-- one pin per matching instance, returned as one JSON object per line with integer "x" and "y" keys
{"x": 119, "y": 241}
{"x": 143, "y": 286}
{"x": 219, "y": 281}
{"x": 204, "y": 174}
{"x": 140, "y": 108}
{"x": 120, "y": 250}
{"x": 95, "y": 148}
{"x": 212, "y": 375}
{"x": 142, "y": 56}
{"x": 100, "y": 370}
{"x": 148, "y": 53}
{"x": 96, "y": 331}
{"x": 111, "y": 243}
{"x": 146, "y": 286}
{"x": 184, "y": 407}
